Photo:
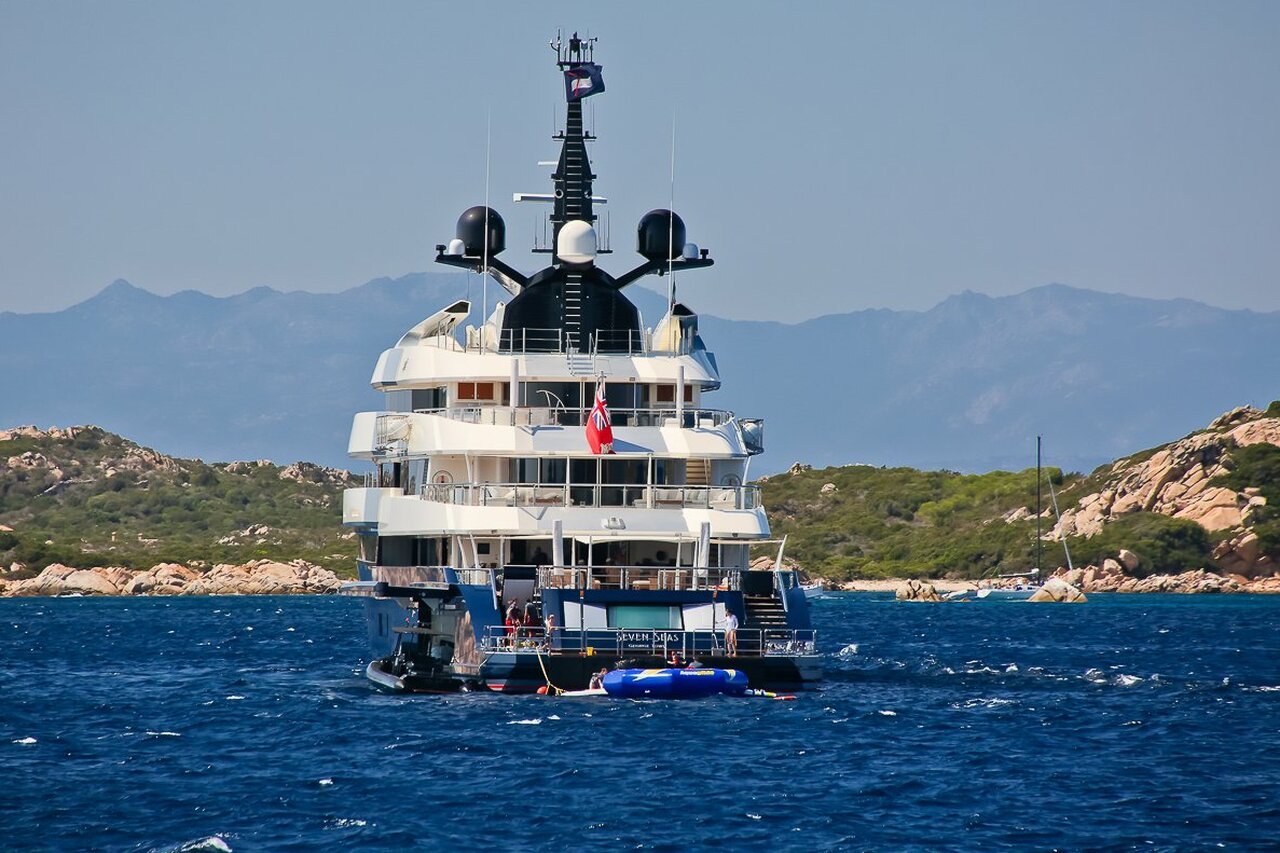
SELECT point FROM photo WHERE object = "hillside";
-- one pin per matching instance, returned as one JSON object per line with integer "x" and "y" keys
{"x": 1206, "y": 501}
{"x": 266, "y": 374}
{"x": 85, "y": 497}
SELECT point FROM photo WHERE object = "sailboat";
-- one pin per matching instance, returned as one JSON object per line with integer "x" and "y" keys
{"x": 1029, "y": 582}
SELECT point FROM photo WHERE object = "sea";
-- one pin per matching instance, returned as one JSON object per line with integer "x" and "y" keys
{"x": 1142, "y": 722}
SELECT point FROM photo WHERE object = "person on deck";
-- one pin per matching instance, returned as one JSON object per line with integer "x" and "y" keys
{"x": 730, "y": 633}
{"x": 513, "y": 621}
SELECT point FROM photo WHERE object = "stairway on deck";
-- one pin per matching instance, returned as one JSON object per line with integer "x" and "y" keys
{"x": 764, "y": 612}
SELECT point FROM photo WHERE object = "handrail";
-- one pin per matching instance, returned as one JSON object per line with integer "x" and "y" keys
{"x": 639, "y": 577}
{"x": 557, "y": 341}
{"x": 658, "y": 642}
{"x": 406, "y": 575}
{"x": 635, "y": 495}
{"x": 688, "y": 418}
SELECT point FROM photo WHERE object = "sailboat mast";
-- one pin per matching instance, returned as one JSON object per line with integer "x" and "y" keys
{"x": 1039, "y": 541}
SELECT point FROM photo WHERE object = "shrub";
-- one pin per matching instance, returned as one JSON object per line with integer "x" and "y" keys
{"x": 1163, "y": 544}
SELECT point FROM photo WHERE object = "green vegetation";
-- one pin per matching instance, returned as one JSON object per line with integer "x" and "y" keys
{"x": 87, "y": 497}
{"x": 94, "y": 498}
{"x": 900, "y": 522}
{"x": 1163, "y": 544}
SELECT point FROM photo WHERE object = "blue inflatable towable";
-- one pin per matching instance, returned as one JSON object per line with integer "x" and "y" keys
{"x": 674, "y": 683}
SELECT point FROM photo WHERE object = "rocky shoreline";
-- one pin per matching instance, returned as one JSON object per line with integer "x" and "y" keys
{"x": 1110, "y": 577}
{"x": 257, "y": 577}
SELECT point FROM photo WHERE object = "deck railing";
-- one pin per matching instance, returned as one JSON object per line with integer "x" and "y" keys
{"x": 689, "y": 418}
{"x": 638, "y": 577}
{"x": 593, "y": 495}
{"x": 654, "y": 642}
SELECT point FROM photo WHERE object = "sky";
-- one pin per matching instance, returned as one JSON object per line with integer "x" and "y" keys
{"x": 832, "y": 156}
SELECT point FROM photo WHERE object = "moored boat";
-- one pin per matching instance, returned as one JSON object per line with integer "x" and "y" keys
{"x": 552, "y": 495}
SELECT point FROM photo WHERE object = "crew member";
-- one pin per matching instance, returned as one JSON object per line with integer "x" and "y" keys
{"x": 730, "y": 633}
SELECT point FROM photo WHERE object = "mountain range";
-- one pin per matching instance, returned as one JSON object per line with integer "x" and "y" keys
{"x": 965, "y": 385}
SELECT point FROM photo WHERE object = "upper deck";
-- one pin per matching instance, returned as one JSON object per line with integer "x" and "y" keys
{"x": 488, "y": 353}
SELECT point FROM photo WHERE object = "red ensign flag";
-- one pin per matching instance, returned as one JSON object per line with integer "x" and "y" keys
{"x": 599, "y": 430}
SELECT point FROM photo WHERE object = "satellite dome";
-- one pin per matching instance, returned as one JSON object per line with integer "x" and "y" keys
{"x": 576, "y": 242}
{"x": 471, "y": 231}
{"x": 660, "y": 236}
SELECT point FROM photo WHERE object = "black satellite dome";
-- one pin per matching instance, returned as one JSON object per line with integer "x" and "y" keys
{"x": 660, "y": 236}
{"x": 471, "y": 231}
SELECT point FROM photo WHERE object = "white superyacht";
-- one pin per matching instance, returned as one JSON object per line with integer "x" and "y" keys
{"x": 554, "y": 493}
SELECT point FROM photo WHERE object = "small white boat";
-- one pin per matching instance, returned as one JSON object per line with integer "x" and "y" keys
{"x": 813, "y": 590}
{"x": 1030, "y": 582}
{"x": 1018, "y": 593}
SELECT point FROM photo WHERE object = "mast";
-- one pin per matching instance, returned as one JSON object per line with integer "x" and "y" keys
{"x": 573, "y": 175}
{"x": 1039, "y": 541}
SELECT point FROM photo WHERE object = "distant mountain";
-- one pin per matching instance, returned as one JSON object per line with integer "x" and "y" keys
{"x": 965, "y": 385}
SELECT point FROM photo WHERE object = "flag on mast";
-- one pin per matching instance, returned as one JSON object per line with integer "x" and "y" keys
{"x": 583, "y": 80}
{"x": 599, "y": 428}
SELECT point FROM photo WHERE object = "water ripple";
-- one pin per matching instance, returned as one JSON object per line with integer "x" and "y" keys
{"x": 168, "y": 725}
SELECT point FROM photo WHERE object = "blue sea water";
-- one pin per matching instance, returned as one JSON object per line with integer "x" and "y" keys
{"x": 1146, "y": 722}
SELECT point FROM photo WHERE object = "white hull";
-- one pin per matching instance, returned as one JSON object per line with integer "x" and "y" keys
{"x": 1019, "y": 594}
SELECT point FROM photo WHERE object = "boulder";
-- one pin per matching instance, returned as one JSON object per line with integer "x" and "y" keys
{"x": 89, "y": 582}
{"x": 264, "y": 577}
{"x": 1241, "y": 555}
{"x": 1237, "y": 415}
{"x": 1129, "y": 560}
{"x": 1058, "y": 590}
{"x": 914, "y": 590}
{"x": 48, "y": 582}
{"x": 828, "y": 488}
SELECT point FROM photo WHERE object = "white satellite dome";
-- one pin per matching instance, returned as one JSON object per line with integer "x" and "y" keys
{"x": 576, "y": 243}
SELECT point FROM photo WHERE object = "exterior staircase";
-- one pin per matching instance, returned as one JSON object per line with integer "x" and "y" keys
{"x": 764, "y": 611}
{"x": 697, "y": 472}
{"x": 580, "y": 363}
{"x": 766, "y": 620}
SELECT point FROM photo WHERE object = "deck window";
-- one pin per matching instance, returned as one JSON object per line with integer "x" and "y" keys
{"x": 644, "y": 617}
{"x": 667, "y": 394}
{"x": 472, "y": 392}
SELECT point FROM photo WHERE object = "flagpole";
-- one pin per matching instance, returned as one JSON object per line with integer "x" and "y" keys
{"x": 484, "y": 287}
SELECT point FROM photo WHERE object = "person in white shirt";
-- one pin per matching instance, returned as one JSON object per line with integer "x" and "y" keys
{"x": 730, "y": 633}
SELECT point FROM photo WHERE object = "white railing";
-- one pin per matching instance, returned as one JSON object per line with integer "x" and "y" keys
{"x": 593, "y": 495}
{"x": 654, "y": 642}
{"x": 688, "y": 418}
{"x": 638, "y": 577}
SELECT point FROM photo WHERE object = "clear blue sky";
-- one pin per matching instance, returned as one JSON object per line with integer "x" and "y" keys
{"x": 832, "y": 156}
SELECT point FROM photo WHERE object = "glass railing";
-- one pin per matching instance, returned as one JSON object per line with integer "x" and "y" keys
{"x": 593, "y": 495}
